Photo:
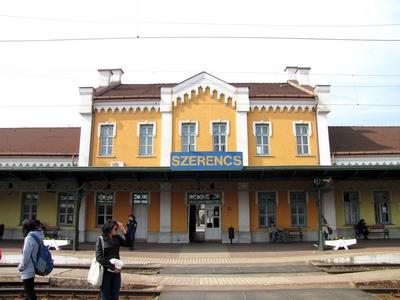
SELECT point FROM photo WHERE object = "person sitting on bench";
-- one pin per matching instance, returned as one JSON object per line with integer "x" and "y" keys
{"x": 362, "y": 228}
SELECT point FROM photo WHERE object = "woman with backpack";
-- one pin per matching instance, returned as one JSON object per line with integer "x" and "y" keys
{"x": 29, "y": 251}
{"x": 107, "y": 248}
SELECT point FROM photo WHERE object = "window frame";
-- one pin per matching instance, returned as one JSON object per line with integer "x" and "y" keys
{"x": 378, "y": 214}
{"x": 269, "y": 134}
{"x": 152, "y": 135}
{"x": 298, "y": 215}
{"x": 114, "y": 126}
{"x": 59, "y": 203}
{"x": 105, "y": 214}
{"x": 225, "y": 135}
{"x": 353, "y": 205}
{"x": 308, "y": 136}
{"x": 194, "y": 134}
{"x": 266, "y": 215}
{"x": 30, "y": 213}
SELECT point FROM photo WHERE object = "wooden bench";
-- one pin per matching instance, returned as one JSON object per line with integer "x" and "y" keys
{"x": 50, "y": 230}
{"x": 375, "y": 228}
{"x": 379, "y": 228}
{"x": 293, "y": 233}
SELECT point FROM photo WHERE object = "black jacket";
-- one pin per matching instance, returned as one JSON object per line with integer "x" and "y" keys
{"x": 111, "y": 249}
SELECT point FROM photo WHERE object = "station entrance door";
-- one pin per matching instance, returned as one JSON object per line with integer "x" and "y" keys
{"x": 204, "y": 216}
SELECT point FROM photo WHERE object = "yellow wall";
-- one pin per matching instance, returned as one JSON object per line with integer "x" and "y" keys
{"x": 47, "y": 208}
{"x": 178, "y": 213}
{"x": 154, "y": 213}
{"x": 10, "y": 209}
{"x": 126, "y": 141}
{"x": 122, "y": 207}
{"x": 230, "y": 214}
{"x": 204, "y": 108}
{"x": 283, "y": 149}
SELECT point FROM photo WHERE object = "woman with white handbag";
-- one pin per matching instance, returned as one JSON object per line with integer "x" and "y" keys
{"x": 107, "y": 254}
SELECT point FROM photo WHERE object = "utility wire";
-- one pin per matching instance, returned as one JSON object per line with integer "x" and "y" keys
{"x": 197, "y": 23}
{"x": 199, "y": 38}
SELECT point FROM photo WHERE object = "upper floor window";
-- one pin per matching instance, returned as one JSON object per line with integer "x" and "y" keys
{"x": 262, "y": 132}
{"x": 302, "y": 133}
{"x": 266, "y": 208}
{"x": 219, "y": 133}
{"x": 104, "y": 207}
{"x": 298, "y": 208}
{"x": 146, "y": 134}
{"x": 29, "y": 206}
{"x": 107, "y": 133}
{"x": 351, "y": 207}
{"x": 382, "y": 207}
{"x": 188, "y": 131}
{"x": 66, "y": 203}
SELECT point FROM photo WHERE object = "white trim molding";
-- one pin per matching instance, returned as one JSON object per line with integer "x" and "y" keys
{"x": 365, "y": 160}
{"x": 114, "y": 124}
{"x": 138, "y": 124}
{"x": 220, "y": 121}
{"x": 186, "y": 122}
{"x": 269, "y": 123}
{"x": 126, "y": 106}
{"x": 281, "y": 104}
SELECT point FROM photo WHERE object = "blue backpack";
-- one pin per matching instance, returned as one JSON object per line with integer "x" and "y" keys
{"x": 44, "y": 262}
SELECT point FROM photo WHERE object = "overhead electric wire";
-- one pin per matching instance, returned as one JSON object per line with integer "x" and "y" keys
{"x": 197, "y": 23}
{"x": 222, "y": 37}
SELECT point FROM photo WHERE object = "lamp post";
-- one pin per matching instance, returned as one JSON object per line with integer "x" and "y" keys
{"x": 319, "y": 183}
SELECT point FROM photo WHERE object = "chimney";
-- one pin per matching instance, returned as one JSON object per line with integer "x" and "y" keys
{"x": 116, "y": 75}
{"x": 291, "y": 73}
{"x": 302, "y": 76}
{"x": 105, "y": 76}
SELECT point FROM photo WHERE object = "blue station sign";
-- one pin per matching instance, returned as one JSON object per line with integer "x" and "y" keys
{"x": 202, "y": 161}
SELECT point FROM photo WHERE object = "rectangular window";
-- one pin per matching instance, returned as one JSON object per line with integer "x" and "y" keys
{"x": 351, "y": 208}
{"x": 302, "y": 139}
{"x": 382, "y": 207}
{"x": 106, "y": 140}
{"x": 29, "y": 206}
{"x": 219, "y": 137}
{"x": 146, "y": 139}
{"x": 298, "y": 208}
{"x": 266, "y": 208}
{"x": 104, "y": 207}
{"x": 262, "y": 136}
{"x": 66, "y": 205}
{"x": 188, "y": 137}
{"x": 140, "y": 198}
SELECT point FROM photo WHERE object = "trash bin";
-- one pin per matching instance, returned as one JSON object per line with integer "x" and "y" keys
{"x": 231, "y": 233}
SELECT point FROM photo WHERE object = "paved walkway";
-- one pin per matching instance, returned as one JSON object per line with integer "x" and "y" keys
{"x": 237, "y": 267}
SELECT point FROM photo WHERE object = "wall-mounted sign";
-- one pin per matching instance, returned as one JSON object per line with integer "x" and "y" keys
{"x": 198, "y": 161}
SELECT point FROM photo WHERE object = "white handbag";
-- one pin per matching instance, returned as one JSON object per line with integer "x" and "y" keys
{"x": 95, "y": 275}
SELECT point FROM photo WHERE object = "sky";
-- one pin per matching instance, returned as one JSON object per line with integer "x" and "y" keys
{"x": 48, "y": 49}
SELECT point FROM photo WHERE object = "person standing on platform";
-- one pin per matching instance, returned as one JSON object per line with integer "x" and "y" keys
{"x": 29, "y": 251}
{"x": 131, "y": 226}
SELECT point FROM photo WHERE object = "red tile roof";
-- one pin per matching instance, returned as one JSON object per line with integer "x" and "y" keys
{"x": 152, "y": 91}
{"x": 364, "y": 140}
{"x": 39, "y": 141}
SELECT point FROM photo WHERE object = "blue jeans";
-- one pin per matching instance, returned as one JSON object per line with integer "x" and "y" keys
{"x": 110, "y": 286}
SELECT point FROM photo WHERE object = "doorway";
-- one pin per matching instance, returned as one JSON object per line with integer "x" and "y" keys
{"x": 204, "y": 217}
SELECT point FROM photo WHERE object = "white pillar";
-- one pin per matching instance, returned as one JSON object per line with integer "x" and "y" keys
{"x": 85, "y": 109}
{"x": 323, "y": 109}
{"x": 244, "y": 214}
{"x": 82, "y": 220}
{"x": 166, "y": 126}
{"x": 165, "y": 214}
{"x": 329, "y": 209}
{"x": 242, "y": 108}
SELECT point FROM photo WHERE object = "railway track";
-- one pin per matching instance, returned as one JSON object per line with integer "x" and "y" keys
{"x": 64, "y": 293}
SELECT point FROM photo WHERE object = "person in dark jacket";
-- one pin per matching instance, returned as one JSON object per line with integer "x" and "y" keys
{"x": 112, "y": 240}
{"x": 29, "y": 253}
{"x": 131, "y": 226}
{"x": 362, "y": 228}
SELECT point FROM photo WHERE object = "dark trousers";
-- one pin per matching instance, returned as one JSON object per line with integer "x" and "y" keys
{"x": 29, "y": 288}
{"x": 110, "y": 286}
